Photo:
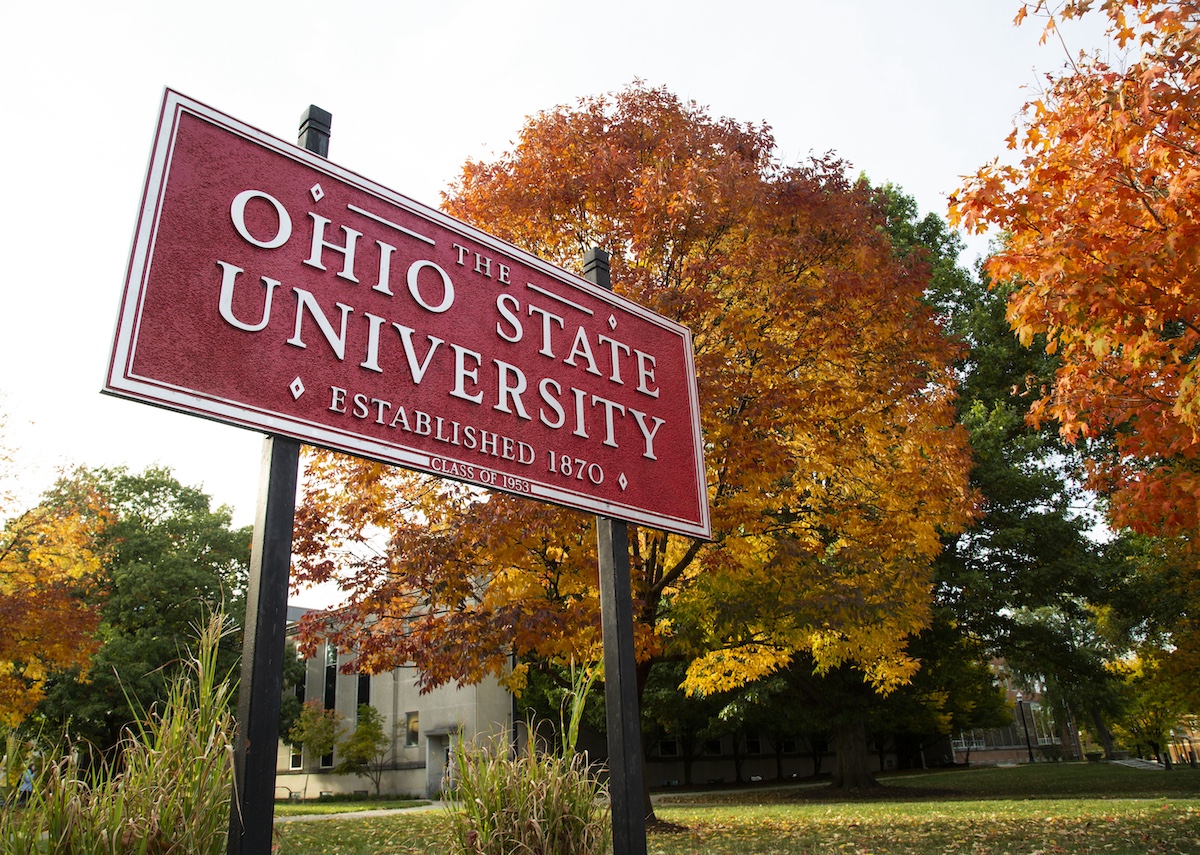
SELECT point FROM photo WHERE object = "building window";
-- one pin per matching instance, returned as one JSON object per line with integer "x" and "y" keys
{"x": 412, "y": 729}
{"x": 668, "y": 748}
{"x": 712, "y": 747}
{"x": 302, "y": 684}
{"x": 789, "y": 745}
{"x": 331, "y": 658}
{"x": 753, "y": 744}
{"x": 364, "y": 690}
{"x": 297, "y": 759}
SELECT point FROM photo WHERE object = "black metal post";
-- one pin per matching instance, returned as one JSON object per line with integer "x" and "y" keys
{"x": 252, "y": 816}
{"x": 620, "y": 663}
{"x": 252, "y": 813}
{"x": 1025, "y": 724}
{"x": 315, "y": 125}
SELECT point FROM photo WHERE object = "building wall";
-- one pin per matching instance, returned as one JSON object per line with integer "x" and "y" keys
{"x": 417, "y": 767}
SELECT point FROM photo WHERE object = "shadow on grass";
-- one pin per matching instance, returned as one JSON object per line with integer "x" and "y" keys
{"x": 1036, "y": 781}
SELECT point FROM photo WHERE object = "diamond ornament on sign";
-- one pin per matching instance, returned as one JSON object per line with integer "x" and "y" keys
{"x": 297, "y": 388}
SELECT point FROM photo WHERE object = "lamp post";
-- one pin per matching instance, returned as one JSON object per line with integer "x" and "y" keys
{"x": 1025, "y": 724}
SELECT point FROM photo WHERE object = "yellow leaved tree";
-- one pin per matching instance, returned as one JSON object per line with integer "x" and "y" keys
{"x": 47, "y": 568}
{"x": 833, "y": 458}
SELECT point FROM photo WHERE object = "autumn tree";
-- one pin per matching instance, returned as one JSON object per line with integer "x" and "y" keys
{"x": 826, "y": 406}
{"x": 316, "y": 729}
{"x": 1101, "y": 240}
{"x": 1101, "y": 246}
{"x": 1149, "y": 709}
{"x": 170, "y": 561}
{"x": 49, "y": 563}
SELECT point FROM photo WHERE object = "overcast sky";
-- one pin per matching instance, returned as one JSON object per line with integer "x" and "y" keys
{"x": 916, "y": 93}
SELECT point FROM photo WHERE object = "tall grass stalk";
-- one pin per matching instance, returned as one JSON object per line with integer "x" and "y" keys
{"x": 582, "y": 679}
{"x": 530, "y": 804}
{"x": 169, "y": 793}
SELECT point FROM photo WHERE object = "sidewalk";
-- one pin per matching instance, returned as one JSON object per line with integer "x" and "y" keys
{"x": 1134, "y": 763}
{"x": 359, "y": 814}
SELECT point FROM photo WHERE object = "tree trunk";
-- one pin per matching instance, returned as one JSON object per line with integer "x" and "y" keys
{"x": 817, "y": 748}
{"x": 1103, "y": 734}
{"x": 643, "y": 676}
{"x": 739, "y": 758}
{"x": 852, "y": 769}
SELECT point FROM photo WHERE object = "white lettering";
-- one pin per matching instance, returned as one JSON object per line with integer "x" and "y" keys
{"x": 581, "y": 347}
{"x": 371, "y": 363}
{"x": 645, "y": 363}
{"x": 551, "y": 401}
{"x": 319, "y": 243}
{"x": 461, "y": 373}
{"x": 546, "y": 319}
{"x": 509, "y": 315}
{"x": 414, "y": 289}
{"x": 609, "y": 407}
{"x": 383, "y": 286}
{"x": 614, "y": 346}
{"x": 506, "y": 390}
{"x": 647, "y": 434}
{"x": 225, "y": 303}
{"x": 416, "y": 369}
{"x": 237, "y": 212}
{"x": 337, "y": 341}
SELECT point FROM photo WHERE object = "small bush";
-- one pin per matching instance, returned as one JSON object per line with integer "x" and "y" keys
{"x": 535, "y": 803}
{"x": 170, "y": 793}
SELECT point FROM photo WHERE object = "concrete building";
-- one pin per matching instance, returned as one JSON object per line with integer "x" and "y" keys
{"x": 424, "y": 729}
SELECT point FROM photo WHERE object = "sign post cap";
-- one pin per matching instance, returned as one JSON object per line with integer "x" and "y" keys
{"x": 315, "y": 124}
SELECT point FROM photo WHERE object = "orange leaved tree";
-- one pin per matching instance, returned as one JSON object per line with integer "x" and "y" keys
{"x": 48, "y": 568}
{"x": 1103, "y": 242}
{"x": 1103, "y": 247}
{"x": 833, "y": 460}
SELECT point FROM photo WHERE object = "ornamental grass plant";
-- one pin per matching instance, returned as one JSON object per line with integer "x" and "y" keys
{"x": 166, "y": 793}
{"x": 530, "y": 803}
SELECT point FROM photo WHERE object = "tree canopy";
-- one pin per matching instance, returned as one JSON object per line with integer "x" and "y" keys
{"x": 1099, "y": 259}
{"x": 834, "y": 464}
{"x": 1103, "y": 247}
{"x": 170, "y": 561}
{"x": 49, "y": 569}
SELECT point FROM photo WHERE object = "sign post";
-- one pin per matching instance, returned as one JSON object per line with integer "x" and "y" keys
{"x": 623, "y": 719}
{"x": 252, "y": 813}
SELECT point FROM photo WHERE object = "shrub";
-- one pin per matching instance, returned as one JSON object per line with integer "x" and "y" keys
{"x": 170, "y": 788}
{"x": 534, "y": 802}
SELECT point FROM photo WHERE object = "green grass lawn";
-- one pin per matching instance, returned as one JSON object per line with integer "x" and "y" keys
{"x": 1031, "y": 810}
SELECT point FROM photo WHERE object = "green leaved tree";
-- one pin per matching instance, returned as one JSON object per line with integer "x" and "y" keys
{"x": 365, "y": 751}
{"x": 171, "y": 560}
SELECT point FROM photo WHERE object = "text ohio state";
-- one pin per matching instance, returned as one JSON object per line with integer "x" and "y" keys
{"x": 535, "y": 317}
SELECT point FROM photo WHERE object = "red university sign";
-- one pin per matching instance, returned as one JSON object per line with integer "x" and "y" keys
{"x": 272, "y": 289}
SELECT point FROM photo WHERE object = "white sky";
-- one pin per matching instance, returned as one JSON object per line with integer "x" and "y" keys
{"x": 914, "y": 92}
